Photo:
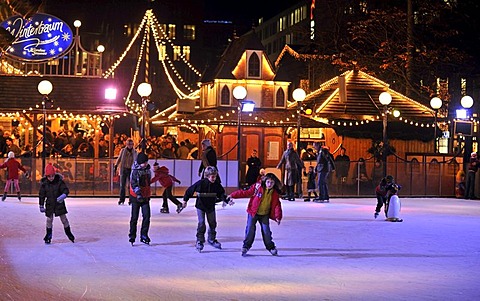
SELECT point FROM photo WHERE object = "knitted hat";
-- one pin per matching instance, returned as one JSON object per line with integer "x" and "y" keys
{"x": 49, "y": 170}
{"x": 11, "y": 155}
{"x": 142, "y": 158}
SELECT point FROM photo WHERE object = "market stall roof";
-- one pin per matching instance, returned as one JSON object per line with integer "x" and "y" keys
{"x": 70, "y": 94}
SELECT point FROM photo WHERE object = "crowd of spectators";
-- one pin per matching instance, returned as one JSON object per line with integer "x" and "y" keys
{"x": 73, "y": 144}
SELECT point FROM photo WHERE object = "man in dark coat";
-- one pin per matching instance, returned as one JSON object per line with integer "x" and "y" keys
{"x": 254, "y": 164}
{"x": 293, "y": 169}
{"x": 209, "y": 158}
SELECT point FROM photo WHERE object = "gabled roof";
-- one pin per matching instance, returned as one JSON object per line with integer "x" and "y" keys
{"x": 71, "y": 94}
{"x": 231, "y": 56}
{"x": 362, "y": 100}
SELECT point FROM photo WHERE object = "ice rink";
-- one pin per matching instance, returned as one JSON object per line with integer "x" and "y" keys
{"x": 334, "y": 251}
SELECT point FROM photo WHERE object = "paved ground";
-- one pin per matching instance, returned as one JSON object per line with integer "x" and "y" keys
{"x": 335, "y": 251}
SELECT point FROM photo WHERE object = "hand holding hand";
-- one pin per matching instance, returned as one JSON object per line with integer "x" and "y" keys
{"x": 42, "y": 209}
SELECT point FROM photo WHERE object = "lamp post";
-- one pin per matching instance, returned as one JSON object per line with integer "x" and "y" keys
{"x": 385, "y": 99}
{"x": 436, "y": 104}
{"x": 144, "y": 90}
{"x": 239, "y": 92}
{"x": 45, "y": 87}
{"x": 299, "y": 96}
{"x": 467, "y": 103}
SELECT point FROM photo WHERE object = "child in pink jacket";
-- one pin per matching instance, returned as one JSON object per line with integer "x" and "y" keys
{"x": 264, "y": 204}
{"x": 161, "y": 174}
{"x": 12, "y": 167}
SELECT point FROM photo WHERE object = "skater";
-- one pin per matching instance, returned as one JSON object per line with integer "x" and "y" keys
{"x": 264, "y": 204}
{"x": 325, "y": 165}
{"x": 381, "y": 195}
{"x": 209, "y": 192}
{"x": 140, "y": 179}
{"x": 472, "y": 171}
{"x": 209, "y": 158}
{"x": 311, "y": 183}
{"x": 166, "y": 180}
{"x": 52, "y": 194}
{"x": 293, "y": 170}
{"x": 12, "y": 167}
{"x": 125, "y": 160}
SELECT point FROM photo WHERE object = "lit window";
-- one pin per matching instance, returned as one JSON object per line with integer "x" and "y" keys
{"x": 254, "y": 65}
{"x": 171, "y": 31}
{"x": 189, "y": 32}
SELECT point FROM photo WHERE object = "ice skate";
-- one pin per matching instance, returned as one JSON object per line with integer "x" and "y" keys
{"x": 244, "y": 252}
{"x": 132, "y": 240}
{"x": 199, "y": 246}
{"x": 376, "y": 214}
{"x": 121, "y": 202}
{"x": 48, "y": 236}
{"x": 4, "y": 196}
{"x": 69, "y": 234}
{"x": 145, "y": 239}
{"x": 214, "y": 243}
{"x": 179, "y": 208}
{"x": 273, "y": 251}
{"x": 19, "y": 196}
{"x": 164, "y": 210}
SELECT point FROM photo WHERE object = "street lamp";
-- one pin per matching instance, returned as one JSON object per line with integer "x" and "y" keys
{"x": 144, "y": 90}
{"x": 45, "y": 87}
{"x": 239, "y": 92}
{"x": 299, "y": 96}
{"x": 435, "y": 103}
{"x": 385, "y": 99}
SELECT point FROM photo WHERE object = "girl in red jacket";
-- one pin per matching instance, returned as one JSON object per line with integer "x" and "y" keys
{"x": 166, "y": 180}
{"x": 264, "y": 204}
{"x": 12, "y": 167}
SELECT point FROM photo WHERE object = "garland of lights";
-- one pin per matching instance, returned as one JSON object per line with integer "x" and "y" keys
{"x": 110, "y": 71}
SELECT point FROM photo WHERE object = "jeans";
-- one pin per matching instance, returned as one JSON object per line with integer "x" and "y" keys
{"x": 381, "y": 201}
{"x": 323, "y": 185}
{"x": 202, "y": 228}
{"x": 123, "y": 182}
{"x": 470, "y": 185}
{"x": 136, "y": 206}
{"x": 263, "y": 220}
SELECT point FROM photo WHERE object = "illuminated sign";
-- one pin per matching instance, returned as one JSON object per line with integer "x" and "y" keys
{"x": 40, "y": 38}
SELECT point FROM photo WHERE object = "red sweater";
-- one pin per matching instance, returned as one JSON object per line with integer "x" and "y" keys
{"x": 12, "y": 166}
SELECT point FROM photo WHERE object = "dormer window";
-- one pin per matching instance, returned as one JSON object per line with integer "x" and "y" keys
{"x": 280, "y": 98}
{"x": 253, "y": 65}
{"x": 225, "y": 96}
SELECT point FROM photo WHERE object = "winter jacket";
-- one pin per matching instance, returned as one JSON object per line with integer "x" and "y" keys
{"x": 12, "y": 166}
{"x": 255, "y": 193}
{"x": 209, "y": 158}
{"x": 163, "y": 177}
{"x": 48, "y": 194}
{"x": 206, "y": 203}
{"x": 140, "y": 179}
{"x": 325, "y": 162}
{"x": 126, "y": 158}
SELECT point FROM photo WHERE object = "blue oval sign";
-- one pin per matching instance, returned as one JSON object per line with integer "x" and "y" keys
{"x": 42, "y": 37}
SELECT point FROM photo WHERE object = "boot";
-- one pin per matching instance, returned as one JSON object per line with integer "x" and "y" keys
{"x": 69, "y": 234}
{"x": 19, "y": 196}
{"x": 4, "y": 196}
{"x": 48, "y": 236}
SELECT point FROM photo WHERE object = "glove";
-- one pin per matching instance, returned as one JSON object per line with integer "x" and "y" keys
{"x": 179, "y": 182}
{"x": 115, "y": 169}
{"x": 42, "y": 209}
{"x": 61, "y": 198}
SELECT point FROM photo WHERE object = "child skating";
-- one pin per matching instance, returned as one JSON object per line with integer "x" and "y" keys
{"x": 209, "y": 192}
{"x": 161, "y": 174}
{"x": 264, "y": 204}
{"x": 12, "y": 166}
{"x": 311, "y": 183}
{"x": 52, "y": 194}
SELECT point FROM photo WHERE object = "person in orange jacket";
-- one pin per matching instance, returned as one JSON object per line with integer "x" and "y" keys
{"x": 161, "y": 174}
{"x": 12, "y": 166}
{"x": 264, "y": 204}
